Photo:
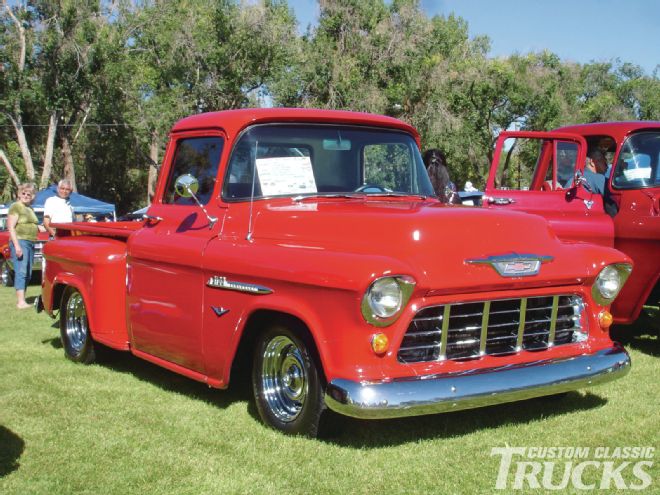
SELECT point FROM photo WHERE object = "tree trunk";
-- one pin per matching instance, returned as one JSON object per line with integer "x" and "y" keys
{"x": 17, "y": 119}
{"x": 50, "y": 146}
{"x": 10, "y": 168}
{"x": 67, "y": 156}
{"x": 23, "y": 144}
{"x": 153, "y": 171}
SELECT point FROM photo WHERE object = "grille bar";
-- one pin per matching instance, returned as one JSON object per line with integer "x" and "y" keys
{"x": 497, "y": 327}
{"x": 484, "y": 329}
{"x": 445, "y": 331}
{"x": 553, "y": 321}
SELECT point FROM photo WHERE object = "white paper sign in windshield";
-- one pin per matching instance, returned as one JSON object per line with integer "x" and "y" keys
{"x": 286, "y": 175}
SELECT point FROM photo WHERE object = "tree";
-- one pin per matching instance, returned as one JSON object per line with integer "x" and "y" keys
{"x": 189, "y": 56}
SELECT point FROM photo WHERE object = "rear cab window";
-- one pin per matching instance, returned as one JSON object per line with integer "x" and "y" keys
{"x": 638, "y": 162}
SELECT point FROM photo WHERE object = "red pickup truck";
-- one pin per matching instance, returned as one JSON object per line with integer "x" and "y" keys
{"x": 544, "y": 173}
{"x": 309, "y": 244}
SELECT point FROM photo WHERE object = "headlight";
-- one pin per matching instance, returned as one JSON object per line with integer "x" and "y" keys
{"x": 609, "y": 282}
{"x": 385, "y": 298}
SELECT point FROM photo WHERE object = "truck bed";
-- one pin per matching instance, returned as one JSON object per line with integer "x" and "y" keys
{"x": 109, "y": 229}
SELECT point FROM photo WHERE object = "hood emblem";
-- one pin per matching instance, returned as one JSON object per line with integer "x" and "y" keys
{"x": 513, "y": 265}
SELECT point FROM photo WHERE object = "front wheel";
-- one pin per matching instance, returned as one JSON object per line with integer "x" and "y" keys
{"x": 74, "y": 328}
{"x": 286, "y": 382}
{"x": 6, "y": 275}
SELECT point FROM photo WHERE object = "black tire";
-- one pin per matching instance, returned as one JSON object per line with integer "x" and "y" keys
{"x": 74, "y": 328}
{"x": 6, "y": 274}
{"x": 287, "y": 382}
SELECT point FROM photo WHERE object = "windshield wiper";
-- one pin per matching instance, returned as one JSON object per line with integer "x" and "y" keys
{"x": 355, "y": 195}
{"x": 303, "y": 197}
{"x": 396, "y": 195}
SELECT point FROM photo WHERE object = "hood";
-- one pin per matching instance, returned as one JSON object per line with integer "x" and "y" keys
{"x": 435, "y": 243}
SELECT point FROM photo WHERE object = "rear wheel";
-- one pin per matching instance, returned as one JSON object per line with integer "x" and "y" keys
{"x": 74, "y": 328}
{"x": 286, "y": 382}
{"x": 6, "y": 275}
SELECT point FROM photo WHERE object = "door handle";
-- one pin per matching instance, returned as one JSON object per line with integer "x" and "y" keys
{"x": 152, "y": 219}
{"x": 500, "y": 201}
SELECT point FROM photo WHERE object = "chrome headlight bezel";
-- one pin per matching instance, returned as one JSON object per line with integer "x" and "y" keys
{"x": 609, "y": 282}
{"x": 380, "y": 313}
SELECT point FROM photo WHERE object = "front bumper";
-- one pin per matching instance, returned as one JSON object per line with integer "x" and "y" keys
{"x": 454, "y": 391}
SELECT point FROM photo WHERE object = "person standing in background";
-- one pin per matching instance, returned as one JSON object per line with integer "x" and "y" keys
{"x": 23, "y": 227}
{"x": 436, "y": 166}
{"x": 57, "y": 209}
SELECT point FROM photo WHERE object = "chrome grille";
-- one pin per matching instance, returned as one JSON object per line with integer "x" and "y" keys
{"x": 503, "y": 326}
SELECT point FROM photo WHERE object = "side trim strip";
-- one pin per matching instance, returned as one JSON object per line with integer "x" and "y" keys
{"x": 218, "y": 282}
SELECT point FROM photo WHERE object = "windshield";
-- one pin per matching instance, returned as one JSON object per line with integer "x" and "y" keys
{"x": 637, "y": 165}
{"x": 295, "y": 160}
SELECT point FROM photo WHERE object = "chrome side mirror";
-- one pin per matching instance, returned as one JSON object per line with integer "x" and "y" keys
{"x": 186, "y": 186}
{"x": 581, "y": 180}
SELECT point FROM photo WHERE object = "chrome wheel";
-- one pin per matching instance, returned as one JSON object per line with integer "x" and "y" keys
{"x": 283, "y": 378}
{"x": 76, "y": 322}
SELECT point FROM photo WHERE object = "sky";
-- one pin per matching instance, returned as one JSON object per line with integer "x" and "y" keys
{"x": 580, "y": 31}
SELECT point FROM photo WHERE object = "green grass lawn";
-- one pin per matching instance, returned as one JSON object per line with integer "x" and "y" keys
{"x": 126, "y": 426}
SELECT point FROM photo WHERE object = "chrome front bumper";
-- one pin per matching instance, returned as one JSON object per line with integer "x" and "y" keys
{"x": 451, "y": 392}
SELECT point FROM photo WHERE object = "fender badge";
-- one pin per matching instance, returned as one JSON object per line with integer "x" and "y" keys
{"x": 513, "y": 265}
{"x": 219, "y": 282}
{"x": 219, "y": 311}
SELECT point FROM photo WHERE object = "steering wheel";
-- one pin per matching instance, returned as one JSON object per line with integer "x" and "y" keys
{"x": 373, "y": 188}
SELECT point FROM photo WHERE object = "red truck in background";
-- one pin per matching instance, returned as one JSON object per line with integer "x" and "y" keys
{"x": 6, "y": 265}
{"x": 544, "y": 173}
{"x": 309, "y": 244}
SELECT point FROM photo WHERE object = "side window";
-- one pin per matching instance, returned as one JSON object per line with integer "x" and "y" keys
{"x": 567, "y": 155}
{"x": 199, "y": 157}
{"x": 536, "y": 164}
{"x": 389, "y": 166}
{"x": 519, "y": 160}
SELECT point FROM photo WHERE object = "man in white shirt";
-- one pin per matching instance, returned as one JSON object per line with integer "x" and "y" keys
{"x": 57, "y": 209}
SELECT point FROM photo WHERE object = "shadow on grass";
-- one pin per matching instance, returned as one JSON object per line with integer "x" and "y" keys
{"x": 349, "y": 432}
{"x": 11, "y": 448}
{"x": 124, "y": 362}
{"x": 643, "y": 335}
{"x": 354, "y": 433}
{"x": 55, "y": 342}
{"x": 647, "y": 344}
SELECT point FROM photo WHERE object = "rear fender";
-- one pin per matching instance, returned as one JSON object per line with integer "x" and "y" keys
{"x": 96, "y": 267}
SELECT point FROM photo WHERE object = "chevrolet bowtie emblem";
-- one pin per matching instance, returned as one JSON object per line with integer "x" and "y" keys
{"x": 513, "y": 265}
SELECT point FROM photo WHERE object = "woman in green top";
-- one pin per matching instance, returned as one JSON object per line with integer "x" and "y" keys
{"x": 23, "y": 227}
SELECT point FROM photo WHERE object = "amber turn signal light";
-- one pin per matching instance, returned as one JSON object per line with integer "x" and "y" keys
{"x": 605, "y": 319}
{"x": 380, "y": 343}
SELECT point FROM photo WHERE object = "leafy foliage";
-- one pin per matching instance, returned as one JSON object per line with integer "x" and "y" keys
{"x": 90, "y": 89}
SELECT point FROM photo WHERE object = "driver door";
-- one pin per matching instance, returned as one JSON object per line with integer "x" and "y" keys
{"x": 539, "y": 172}
{"x": 165, "y": 279}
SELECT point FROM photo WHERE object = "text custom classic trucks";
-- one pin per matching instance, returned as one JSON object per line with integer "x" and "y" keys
{"x": 309, "y": 244}
{"x": 535, "y": 172}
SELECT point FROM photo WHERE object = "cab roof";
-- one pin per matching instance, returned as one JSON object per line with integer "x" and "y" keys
{"x": 234, "y": 121}
{"x": 618, "y": 130}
